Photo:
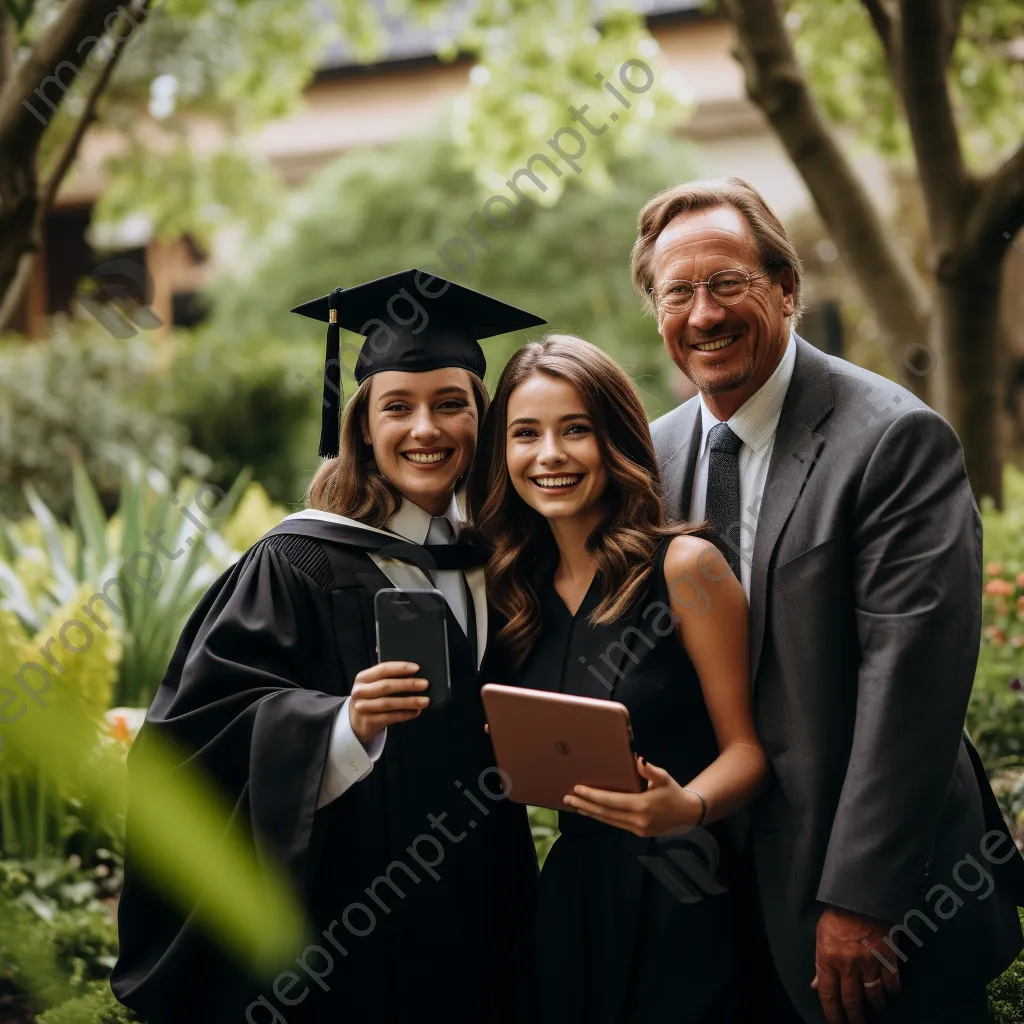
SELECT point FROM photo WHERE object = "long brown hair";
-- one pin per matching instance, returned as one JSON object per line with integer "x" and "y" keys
{"x": 622, "y": 545}
{"x": 351, "y": 484}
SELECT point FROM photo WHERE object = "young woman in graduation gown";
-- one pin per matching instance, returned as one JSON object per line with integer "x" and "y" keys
{"x": 636, "y": 919}
{"x": 416, "y": 874}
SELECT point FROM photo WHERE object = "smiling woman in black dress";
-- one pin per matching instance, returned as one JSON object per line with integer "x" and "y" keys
{"x": 636, "y": 921}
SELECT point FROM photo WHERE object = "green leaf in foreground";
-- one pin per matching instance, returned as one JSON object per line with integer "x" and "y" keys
{"x": 182, "y": 832}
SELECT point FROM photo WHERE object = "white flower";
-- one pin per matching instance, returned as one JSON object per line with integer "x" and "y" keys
{"x": 124, "y": 723}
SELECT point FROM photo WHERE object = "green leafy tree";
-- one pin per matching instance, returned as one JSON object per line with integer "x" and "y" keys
{"x": 143, "y": 70}
{"x": 147, "y": 70}
{"x": 936, "y": 87}
{"x": 371, "y": 214}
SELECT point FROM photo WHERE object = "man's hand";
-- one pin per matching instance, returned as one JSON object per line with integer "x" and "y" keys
{"x": 847, "y": 971}
{"x": 663, "y": 808}
{"x": 373, "y": 705}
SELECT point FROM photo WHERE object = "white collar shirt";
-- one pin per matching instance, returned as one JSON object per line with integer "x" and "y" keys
{"x": 754, "y": 423}
{"x": 413, "y": 523}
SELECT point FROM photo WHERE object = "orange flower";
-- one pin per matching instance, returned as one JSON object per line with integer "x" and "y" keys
{"x": 999, "y": 588}
{"x": 123, "y": 724}
{"x": 993, "y": 568}
{"x": 1020, "y": 579}
{"x": 119, "y": 729}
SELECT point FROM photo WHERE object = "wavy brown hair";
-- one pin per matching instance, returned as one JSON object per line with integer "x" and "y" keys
{"x": 351, "y": 484}
{"x": 622, "y": 545}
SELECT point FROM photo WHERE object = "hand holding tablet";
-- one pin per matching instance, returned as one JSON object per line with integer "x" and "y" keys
{"x": 546, "y": 743}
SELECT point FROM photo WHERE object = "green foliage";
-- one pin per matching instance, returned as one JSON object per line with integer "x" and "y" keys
{"x": 253, "y": 517}
{"x": 185, "y": 838}
{"x": 62, "y": 772}
{"x": 996, "y": 714}
{"x": 240, "y": 63}
{"x": 56, "y": 937}
{"x": 48, "y": 885}
{"x": 98, "y": 1007}
{"x": 537, "y": 64}
{"x": 181, "y": 192}
{"x": 247, "y": 403}
{"x": 544, "y": 827}
{"x": 1006, "y": 993}
{"x": 148, "y": 566}
{"x": 846, "y": 65}
{"x": 75, "y": 394}
{"x": 536, "y": 59}
{"x": 370, "y": 214}
{"x": 198, "y": 401}
{"x": 41, "y": 808}
{"x": 234, "y": 63}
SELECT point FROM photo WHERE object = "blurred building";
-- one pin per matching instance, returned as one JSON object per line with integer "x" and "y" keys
{"x": 351, "y": 105}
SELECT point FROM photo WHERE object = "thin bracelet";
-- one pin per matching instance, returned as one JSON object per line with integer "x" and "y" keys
{"x": 703, "y": 806}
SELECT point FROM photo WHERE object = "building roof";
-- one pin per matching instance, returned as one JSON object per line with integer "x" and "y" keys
{"x": 410, "y": 41}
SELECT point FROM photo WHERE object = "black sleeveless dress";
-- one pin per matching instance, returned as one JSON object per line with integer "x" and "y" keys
{"x": 632, "y": 929}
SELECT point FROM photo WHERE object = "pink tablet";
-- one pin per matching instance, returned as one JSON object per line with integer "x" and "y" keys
{"x": 546, "y": 743}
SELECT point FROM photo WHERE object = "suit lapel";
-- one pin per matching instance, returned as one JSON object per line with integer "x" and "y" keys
{"x": 678, "y": 469}
{"x": 796, "y": 449}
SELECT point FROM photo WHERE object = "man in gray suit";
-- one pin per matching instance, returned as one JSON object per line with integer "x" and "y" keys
{"x": 885, "y": 873}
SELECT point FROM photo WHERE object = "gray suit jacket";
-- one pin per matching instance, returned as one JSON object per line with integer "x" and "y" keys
{"x": 865, "y": 621}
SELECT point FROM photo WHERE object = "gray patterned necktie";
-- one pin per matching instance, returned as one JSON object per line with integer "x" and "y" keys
{"x": 722, "y": 505}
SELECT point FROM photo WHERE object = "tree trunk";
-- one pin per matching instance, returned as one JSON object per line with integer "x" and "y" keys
{"x": 965, "y": 335}
{"x": 892, "y": 288}
{"x": 53, "y": 70}
{"x": 19, "y": 200}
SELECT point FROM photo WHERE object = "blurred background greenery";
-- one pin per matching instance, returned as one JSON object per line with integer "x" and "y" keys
{"x": 242, "y": 156}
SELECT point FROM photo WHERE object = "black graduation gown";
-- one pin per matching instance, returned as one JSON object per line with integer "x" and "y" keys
{"x": 253, "y": 688}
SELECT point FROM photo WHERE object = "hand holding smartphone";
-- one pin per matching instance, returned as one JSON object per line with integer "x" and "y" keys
{"x": 384, "y": 695}
{"x": 412, "y": 627}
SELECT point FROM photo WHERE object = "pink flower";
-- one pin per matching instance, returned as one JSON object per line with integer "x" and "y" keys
{"x": 1017, "y": 641}
{"x": 993, "y": 569}
{"x": 995, "y": 635}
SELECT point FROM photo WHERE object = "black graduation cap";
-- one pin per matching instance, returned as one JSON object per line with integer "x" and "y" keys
{"x": 412, "y": 321}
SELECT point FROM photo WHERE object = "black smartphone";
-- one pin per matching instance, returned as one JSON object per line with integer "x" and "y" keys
{"x": 412, "y": 626}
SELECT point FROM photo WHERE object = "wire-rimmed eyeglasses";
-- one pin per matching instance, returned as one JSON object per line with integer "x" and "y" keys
{"x": 726, "y": 287}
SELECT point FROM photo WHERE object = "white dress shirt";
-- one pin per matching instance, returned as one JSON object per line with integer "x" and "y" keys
{"x": 348, "y": 761}
{"x": 754, "y": 423}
